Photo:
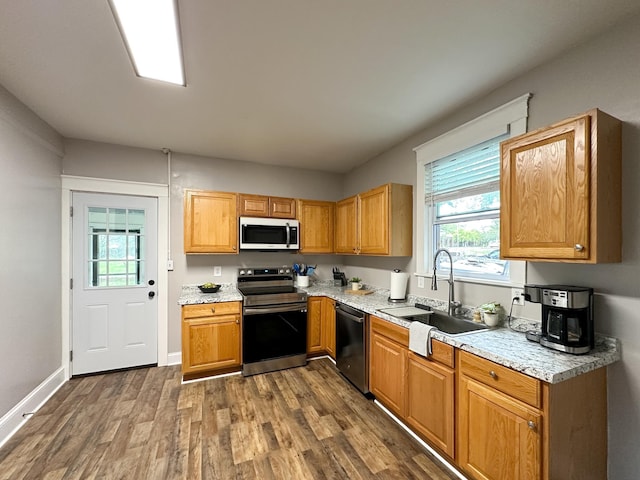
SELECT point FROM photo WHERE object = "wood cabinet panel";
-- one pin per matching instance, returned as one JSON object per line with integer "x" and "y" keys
{"x": 560, "y": 192}
{"x": 374, "y": 221}
{"x": 314, "y": 326}
{"x": 329, "y": 326}
{"x": 210, "y": 222}
{"x": 253, "y": 205}
{"x": 430, "y": 407}
{"x": 515, "y": 384}
{"x": 316, "y": 226}
{"x": 388, "y": 367}
{"x": 211, "y": 339}
{"x": 346, "y": 231}
{"x": 498, "y": 437}
{"x": 280, "y": 207}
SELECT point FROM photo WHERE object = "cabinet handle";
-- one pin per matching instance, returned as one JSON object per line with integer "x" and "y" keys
{"x": 493, "y": 375}
{"x": 233, "y": 248}
{"x": 531, "y": 424}
{"x": 213, "y": 309}
{"x": 579, "y": 247}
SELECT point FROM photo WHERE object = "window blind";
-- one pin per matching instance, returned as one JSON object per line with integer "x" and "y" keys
{"x": 469, "y": 172}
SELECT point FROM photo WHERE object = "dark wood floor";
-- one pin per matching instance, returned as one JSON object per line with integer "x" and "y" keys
{"x": 302, "y": 423}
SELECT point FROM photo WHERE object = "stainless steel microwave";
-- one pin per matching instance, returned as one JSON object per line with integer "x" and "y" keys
{"x": 269, "y": 234}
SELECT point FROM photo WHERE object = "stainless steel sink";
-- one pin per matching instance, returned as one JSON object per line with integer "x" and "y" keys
{"x": 451, "y": 325}
{"x": 441, "y": 320}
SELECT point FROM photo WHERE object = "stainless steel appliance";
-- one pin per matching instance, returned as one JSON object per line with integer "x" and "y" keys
{"x": 352, "y": 358}
{"x": 269, "y": 234}
{"x": 274, "y": 320}
{"x": 567, "y": 317}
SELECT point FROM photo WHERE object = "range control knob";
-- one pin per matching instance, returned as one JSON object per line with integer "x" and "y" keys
{"x": 242, "y": 272}
{"x": 281, "y": 270}
{"x": 249, "y": 272}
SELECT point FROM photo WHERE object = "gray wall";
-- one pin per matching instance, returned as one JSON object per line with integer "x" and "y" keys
{"x": 603, "y": 73}
{"x": 30, "y": 161}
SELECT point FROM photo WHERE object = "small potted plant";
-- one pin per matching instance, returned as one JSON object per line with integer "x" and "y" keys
{"x": 355, "y": 283}
{"x": 491, "y": 313}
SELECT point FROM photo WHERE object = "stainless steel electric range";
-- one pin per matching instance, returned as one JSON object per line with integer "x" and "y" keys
{"x": 274, "y": 320}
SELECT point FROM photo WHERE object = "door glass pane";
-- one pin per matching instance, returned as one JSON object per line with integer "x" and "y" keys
{"x": 115, "y": 247}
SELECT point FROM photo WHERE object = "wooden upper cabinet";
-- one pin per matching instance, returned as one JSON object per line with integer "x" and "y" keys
{"x": 346, "y": 238}
{"x": 560, "y": 192}
{"x": 316, "y": 226}
{"x": 210, "y": 222}
{"x": 376, "y": 222}
{"x": 264, "y": 206}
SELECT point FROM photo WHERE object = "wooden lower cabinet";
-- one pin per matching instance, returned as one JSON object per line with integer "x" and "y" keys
{"x": 211, "y": 338}
{"x": 388, "y": 356}
{"x": 514, "y": 427}
{"x": 329, "y": 326}
{"x": 314, "y": 326}
{"x": 430, "y": 410}
{"x": 321, "y": 326}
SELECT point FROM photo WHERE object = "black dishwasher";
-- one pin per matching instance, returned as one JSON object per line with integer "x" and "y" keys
{"x": 352, "y": 357}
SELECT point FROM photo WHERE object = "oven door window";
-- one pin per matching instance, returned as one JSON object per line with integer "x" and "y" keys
{"x": 271, "y": 335}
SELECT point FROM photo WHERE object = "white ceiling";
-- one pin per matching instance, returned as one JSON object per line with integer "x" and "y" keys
{"x": 322, "y": 84}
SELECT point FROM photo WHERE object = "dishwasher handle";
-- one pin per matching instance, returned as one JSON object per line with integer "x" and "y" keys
{"x": 349, "y": 315}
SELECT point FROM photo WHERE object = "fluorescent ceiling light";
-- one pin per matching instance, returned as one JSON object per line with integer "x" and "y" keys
{"x": 150, "y": 30}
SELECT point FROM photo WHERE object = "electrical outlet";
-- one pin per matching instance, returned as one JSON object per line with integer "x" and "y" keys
{"x": 420, "y": 282}
{"x": 518, "y": 292}
{"x": 217, "y": 271}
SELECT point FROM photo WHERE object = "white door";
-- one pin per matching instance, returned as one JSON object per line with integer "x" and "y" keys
{"x": 114, "y": 252}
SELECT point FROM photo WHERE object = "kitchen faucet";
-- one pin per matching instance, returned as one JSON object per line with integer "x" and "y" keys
{"x": 453, "y": 305}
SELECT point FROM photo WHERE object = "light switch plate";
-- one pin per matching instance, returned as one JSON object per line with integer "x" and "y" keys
{"x": 217, "y": 271}
{"x": 420, "y": 282}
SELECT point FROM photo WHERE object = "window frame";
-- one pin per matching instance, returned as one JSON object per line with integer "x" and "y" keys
{"x": 511, "y": 119}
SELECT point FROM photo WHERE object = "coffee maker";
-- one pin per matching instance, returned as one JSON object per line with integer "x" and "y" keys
{"x": 567, "y": 316}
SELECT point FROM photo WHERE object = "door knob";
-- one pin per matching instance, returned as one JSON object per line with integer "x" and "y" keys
{"x": 579, "y": 247}
{"x": 152, "y": 294}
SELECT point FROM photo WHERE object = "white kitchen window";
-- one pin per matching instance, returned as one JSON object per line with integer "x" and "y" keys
{"x": 458, "y": 191}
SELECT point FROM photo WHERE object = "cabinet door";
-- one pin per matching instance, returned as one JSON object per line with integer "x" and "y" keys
{"x": 210, "y": 222}
{"x": 374, "y": 221}
{"x": 430, "y": 402}
{"x": 253, "y": 205}
{"x": 314, "y": 326}
{"x": 316, "y": 226}
{"x": 282, "y": 207}
{"x": 210, "y": 343}
{"x": 387, "y": 375}
{"x": 329, "y": 326}
{"x": 545, "y": 211}
{"x": 346, "y": 225}
{"x": 498, "y": 438}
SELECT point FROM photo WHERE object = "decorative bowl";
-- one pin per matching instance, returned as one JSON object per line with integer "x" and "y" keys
{"x": 209, "y": 289}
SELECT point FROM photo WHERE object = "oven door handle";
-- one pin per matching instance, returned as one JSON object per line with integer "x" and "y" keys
{"x": 278, "y": 309}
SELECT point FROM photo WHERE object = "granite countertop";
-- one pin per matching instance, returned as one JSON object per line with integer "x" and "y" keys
{"x": 501, "y": 345}
{"x": 191, "y": 295}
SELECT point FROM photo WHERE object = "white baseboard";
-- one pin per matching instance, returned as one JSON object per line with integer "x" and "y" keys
{"x": 11, "y": 422}
{"x": 174, "y": 358}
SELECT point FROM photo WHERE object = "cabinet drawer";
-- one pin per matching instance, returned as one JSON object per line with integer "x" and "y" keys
{"x": 515, "y": 384}
{"x": 210, "y": 309}
{"x": 390, "y": 330}
{"x": 442, "y": 353}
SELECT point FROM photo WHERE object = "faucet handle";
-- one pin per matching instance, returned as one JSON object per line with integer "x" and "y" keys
{"x": 455, "y": 307}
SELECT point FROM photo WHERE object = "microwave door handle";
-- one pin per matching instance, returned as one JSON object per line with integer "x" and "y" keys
{"x": 288, "y": 233}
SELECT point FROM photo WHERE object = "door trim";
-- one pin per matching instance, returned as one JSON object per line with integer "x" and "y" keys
{"x": 72, "y": 183}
